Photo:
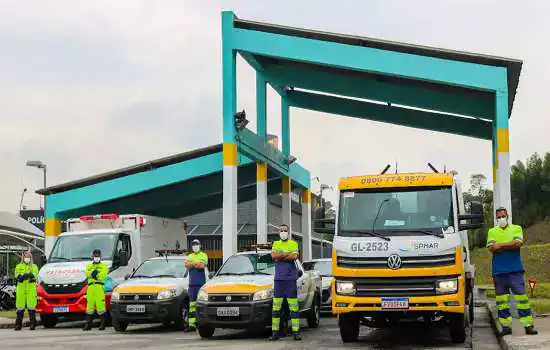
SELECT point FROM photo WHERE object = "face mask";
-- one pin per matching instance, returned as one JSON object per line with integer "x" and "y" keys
{"x": 196, "y": 248}
{"x": 502, "y": 222}
{"x": 283, "y": 235}
{"x": 97, "y": 259}
{"x": 27, "y": 260}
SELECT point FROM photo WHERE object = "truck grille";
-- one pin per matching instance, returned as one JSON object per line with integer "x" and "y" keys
{"x": 140, "y": 297}
{"x": 234, "y": 297}
{"x": 396, "y": 286}
{"x": 407, "y": 261}
{"x": 70, "y": 288}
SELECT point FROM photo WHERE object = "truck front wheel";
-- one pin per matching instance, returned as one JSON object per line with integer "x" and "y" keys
{"x": 349, "y": 327}
{"x": 458, "y": 326}
{"x": 48, "y": 321}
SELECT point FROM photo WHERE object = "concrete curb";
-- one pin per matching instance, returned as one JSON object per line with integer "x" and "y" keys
{"x": 503, "y": 341}
{"x": 12, "y": 324}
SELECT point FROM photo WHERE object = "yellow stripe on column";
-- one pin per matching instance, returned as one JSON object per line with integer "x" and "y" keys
{"x": 503, "y": 142}
{"x": 306, "y": 196}
{"x": 52, "y": 227}
{"x": 286, "y": 184}
{"x": 229, "y": 154}
{"x": 261, "y": 172}
{"x": 494, "y": 173}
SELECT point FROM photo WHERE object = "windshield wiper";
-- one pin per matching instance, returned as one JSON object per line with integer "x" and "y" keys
{"x": 428, "y": 232}
{"x": 261, "y": 273}
{"x": 166, "y": 275}
{"x": 60, "y": 258}
{"x": 235, "y": 273}
{"x": 368, "y": 232}
{"x": 140, "y": 276}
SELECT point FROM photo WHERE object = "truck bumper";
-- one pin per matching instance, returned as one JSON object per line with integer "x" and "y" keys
{"x": 251, "y": 315}
{"x": 70, "y": 305}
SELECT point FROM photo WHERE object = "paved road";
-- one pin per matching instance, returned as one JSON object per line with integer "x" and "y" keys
{"x": 68, "y": 337}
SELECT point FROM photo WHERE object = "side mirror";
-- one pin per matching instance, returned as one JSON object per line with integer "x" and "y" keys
{"x": 127, "y": 276}
{"x": 211, "y": 274}
{"x": 476, "y": 217}
{"x": 123, "y": 259}
{"x": 300, "y": 273}
{"x": 43, "y": 260}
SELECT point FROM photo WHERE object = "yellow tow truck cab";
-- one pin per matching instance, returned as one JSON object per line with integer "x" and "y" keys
{"x": 400, "y": 252}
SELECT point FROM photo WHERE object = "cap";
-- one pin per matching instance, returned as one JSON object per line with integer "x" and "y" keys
{"x": 96, "y": 252}
{"x": 195, "y": 241}
{"x": 501, "y": 209}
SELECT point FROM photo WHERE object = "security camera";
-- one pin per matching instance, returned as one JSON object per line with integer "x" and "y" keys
{"x": 290, "y": 160}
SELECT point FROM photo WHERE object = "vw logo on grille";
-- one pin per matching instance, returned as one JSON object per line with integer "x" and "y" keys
{"x": 394, "y": 261}
{"x": 228, "y": 298}
{"x": 136, "y": 297}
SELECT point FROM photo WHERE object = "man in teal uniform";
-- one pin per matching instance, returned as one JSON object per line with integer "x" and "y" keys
{"x": 96, "y": 272}
{"x": 505, "y": 241}
{"x": 26, "y": 274}
{"x": 284, "y": 253}
{"x": 196, "y": 263}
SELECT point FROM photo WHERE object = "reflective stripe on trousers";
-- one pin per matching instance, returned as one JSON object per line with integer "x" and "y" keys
{"x": 294, "y": 314}
{"x": 192, "y": 313}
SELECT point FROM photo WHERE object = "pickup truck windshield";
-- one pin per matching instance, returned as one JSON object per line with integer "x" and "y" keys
{"x": 80, "y": 247}
{"x": 395, "y": 211}
{"x": 161, "y": 268}
{"x": 249, "y": 264}
{"x": 324, "y": 267}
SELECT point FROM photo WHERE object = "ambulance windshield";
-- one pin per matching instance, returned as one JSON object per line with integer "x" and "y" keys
{"x": 80, "y": 246}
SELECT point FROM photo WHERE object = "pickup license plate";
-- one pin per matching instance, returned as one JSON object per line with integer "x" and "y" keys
{"x": 395, "y": 303}
{"x": 227, "y": 311}
{"x": 135, "y": 308}
{"x": 59, "y": 309}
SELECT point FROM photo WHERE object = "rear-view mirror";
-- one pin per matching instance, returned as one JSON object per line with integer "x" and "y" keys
{"x": 474, "y": 220}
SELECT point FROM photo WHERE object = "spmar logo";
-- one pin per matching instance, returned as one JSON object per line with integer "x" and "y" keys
{"x": 61, "y": 272}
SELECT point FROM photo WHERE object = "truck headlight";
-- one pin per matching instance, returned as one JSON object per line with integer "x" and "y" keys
{"x": 202, "y": 296}
{"x": 345, "y": 287}
{"x": 167, "y": 294}
{"x": 446, "y": 286}
{"x": 115, "y": 296}
{"x": 263, "y": 294}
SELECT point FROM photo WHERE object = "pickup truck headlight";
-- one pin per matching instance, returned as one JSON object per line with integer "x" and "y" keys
{"x": 167, "y": 294}
{"x": 263, "y": 295}
{"x": 447, "y": 286}
{"x": 115, "y": 296}
{"x": 345, "y": 287}
{"x": 202, "y": 296}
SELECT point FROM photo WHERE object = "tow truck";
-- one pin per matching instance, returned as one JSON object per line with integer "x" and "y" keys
{"x": 125, "y": 241}
{"x": 400, "y": 252}
{"x": 157, "y": 291}
{"x": 240, "y": 294}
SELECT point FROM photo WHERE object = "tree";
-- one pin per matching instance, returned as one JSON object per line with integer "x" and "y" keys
{"x": 329, "y": 210}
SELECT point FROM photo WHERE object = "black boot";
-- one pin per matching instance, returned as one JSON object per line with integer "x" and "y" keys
{"x": 32, "y": 318}
{"x": 19, "y": 320}
{"x": 88, "y": 324}
{"x": 102, "y": 323}
{"x": 297, "y": 336}
{"x": 274, "y": 336}
{"x": 531, "y": 330}
{"x": 505, "y": 331}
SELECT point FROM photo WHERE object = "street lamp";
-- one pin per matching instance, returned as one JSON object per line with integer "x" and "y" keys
{"x": 21, "y": 202}
{"x": 38, "y": 164}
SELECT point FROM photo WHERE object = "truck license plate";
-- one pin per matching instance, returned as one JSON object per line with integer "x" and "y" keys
{"x": 59, "y": 309}
{"x": 227, "y": 311}
{"x": 135, "y": 308}
{"x": 395, "y": 303}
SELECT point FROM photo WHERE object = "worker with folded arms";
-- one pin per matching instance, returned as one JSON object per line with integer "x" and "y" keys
{"x": 505, "y": 241}
{"x": 26, "y": 274}
{"x": 96, "y": 272}
{"x": 196, "y": 263}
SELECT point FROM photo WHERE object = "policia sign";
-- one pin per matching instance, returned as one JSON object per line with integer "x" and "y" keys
{"x": 36, "y": 217}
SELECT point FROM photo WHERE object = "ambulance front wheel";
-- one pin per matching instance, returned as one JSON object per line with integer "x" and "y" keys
{"x": 48, "y": 321}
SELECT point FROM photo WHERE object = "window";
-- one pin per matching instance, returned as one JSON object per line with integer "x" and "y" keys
{"x": 124, "y": 244}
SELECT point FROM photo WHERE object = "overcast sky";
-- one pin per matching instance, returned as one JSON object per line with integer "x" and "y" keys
{"x": 91, "y": 86}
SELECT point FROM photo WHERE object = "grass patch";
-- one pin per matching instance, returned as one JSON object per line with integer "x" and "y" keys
{"x": 8, "y": 314}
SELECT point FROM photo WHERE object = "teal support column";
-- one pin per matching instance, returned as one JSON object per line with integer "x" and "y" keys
{"x": 501, "y": 140}
{"x": 230, "y": 158}
{"x": 261, "y": 106}
{"x": 261, "y": 173}
{"x": 285, "y": 125}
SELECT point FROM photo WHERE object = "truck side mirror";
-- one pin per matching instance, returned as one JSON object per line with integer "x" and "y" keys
{"x": 43, "y": 260}
{"x": 476, "y": 217}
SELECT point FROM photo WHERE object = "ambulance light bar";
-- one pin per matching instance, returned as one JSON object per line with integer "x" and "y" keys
{"x": 99, "y": 217}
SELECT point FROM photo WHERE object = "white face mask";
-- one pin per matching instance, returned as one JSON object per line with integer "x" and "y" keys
{"x": 502, "y": 222}
{"x": 196, "y": 248}
{"x": 97, "y": 259}
{"x": 283, "y": 235}
{"x": 27, "y": 260}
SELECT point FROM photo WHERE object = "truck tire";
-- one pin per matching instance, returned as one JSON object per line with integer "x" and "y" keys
{"x": 48, "y": 321}
{"x": 120, "y": 326}
{"x": 471, "y": 306}
{"x": 206, "y": 331}
{"x": 458, "y": 326}
{"x": 349, "y": 327}
{"x": 314, "y": 315}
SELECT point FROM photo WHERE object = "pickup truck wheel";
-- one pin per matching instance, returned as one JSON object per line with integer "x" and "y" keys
{"x": 206, "y": 331}
{"x": 314, "y": 315}
{"x": 349, "y": 327}
{"x": 458, "y": 326}
{"x": 120, "y": 326}
{"x": 48, "y": 321}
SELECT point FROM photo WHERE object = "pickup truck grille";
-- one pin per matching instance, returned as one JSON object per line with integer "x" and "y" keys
{"x": 395, "y": 286}
{"x": 234, "y": 297}
{"x": 407, "y": 261}
{"x": 140, "y": 297}
{"x": 70, "y": 288}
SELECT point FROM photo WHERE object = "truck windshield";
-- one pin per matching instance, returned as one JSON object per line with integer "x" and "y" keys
{"x": 324, "y": 267}
{"x": 395, "y": 212}
{"x": 161, "y": 268}
{"x": 80, "y": 247}
{"x": 248, "y": 264}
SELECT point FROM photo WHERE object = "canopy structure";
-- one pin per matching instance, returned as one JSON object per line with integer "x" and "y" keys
{"x": 16, "y": 232}
{"x": 409, "y": 85}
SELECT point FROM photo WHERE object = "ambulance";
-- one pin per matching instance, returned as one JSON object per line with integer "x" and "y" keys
{"x": 125, "y": 242}
{"x": 400, "y": 252}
